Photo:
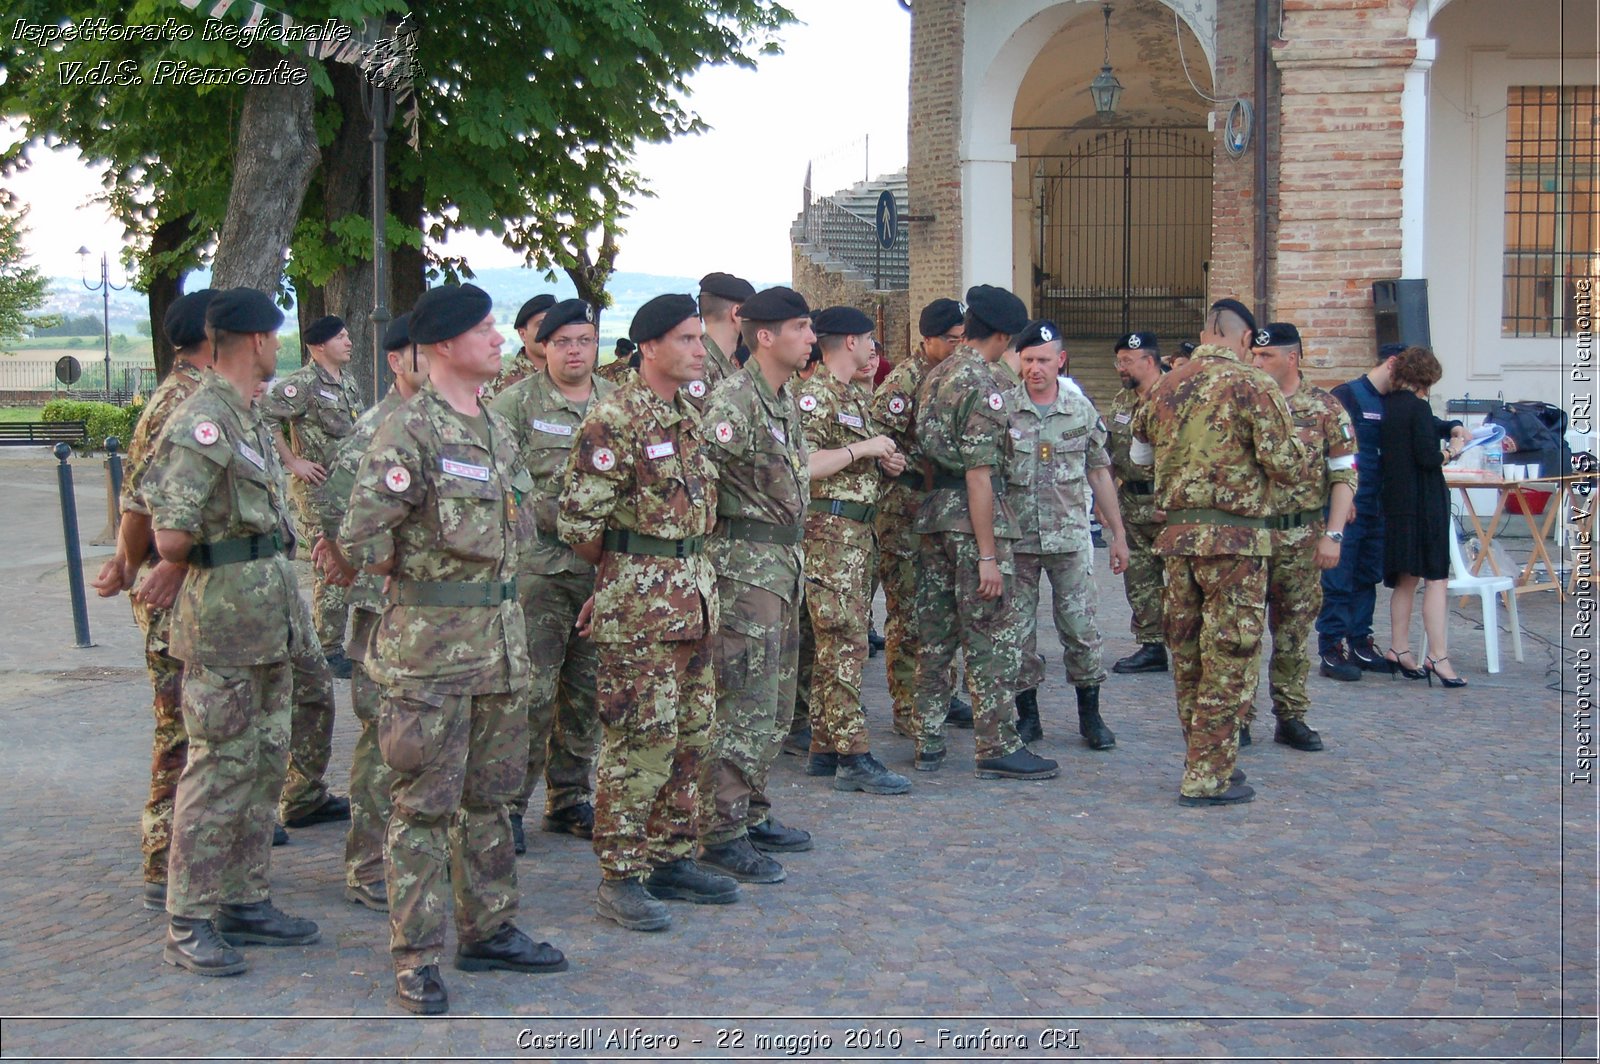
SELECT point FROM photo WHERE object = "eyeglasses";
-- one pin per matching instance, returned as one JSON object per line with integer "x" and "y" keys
{"x": 572, "y": 343}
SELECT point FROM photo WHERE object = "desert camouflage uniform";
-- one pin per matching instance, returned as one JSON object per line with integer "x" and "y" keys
{"x": 754, "y": 437}
{"x": 370, "y": 778}
{"x": 894, "y": 407}
{"x": 1141, "y": 580}
{"x": 433, "y": 494}
{"x": 1220, "y": 430}
{"x": 553, "y": 583}
{"x": 1048, "y": 491}
{"x": 166, "y": 672}
{"x": 213, "y": 475}
{"x": 838, "y": 561}
{"x": 640, "y": 478}
{"x": 518, "y": 367}
{"x": 962, "y": 424}
{"x": 1294, "y": 583}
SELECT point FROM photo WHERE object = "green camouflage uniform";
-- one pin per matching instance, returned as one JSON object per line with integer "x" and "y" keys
{"x": 894, "y": 408}
{"x": 513, "y": 369}
{"x": 617, "y": 371}
{"x": 370, "y": 778}
{"x": 639, "y": 470}
{"x": 838, "y": 561}
{"x": 754, "y": 437}
{"x": 1220, "y": 430}
{"x": 961, "y": 425}
{"x": 433, "y": 494}
{"x": 1294, "y": 583}
{"x": 1048, "y": 491}
{"x": 166, "y": 672}
{"x": 718, "y": 367}
{"x": 553, "y": 583}
{"x": 214, "y": 476}
{"x": 1141, "y": 580}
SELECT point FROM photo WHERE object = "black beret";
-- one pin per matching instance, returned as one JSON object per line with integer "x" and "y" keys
{"x": 997, "y": 308}
{"x": 727, "y": 286}
{"x": 774, "y": 304}
{"x": 537, "y": 305}
{"x": 397, "y": 337}
{"x": 1277, "y": 334}
{"x": 244, "y": 310}
{"x": 1238, "y": 308}
{"x": 1136, "y": 341}
{"x": 625, "y": 347}
{"x": 842, "y": 321}
{"x": 446, "y": 312}
{"x": 567, "y": 312}
{"x": 185, "y": 320}
{"x": 660, "y": 316}
{"x": 1036, "y": 333}
{"x": 940, "y": 316}
{"x": 322, "y": 330}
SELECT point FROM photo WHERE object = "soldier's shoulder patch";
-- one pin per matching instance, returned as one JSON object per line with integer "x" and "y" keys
{"x": 696, "y": 389}
{"x": 723, "y": 432}
{"x": 897, "y": 404}
{"x": 996, "y": 401}
{"x": 290, "y": 391}
{"x": 808, "y": 403}
{"x": 604, "y": 460}
{"x": 206, "y": 433}
{"x": 397, "y": 479}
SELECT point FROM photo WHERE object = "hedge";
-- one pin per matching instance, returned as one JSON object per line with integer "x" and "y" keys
{"x": 103, "y": 419}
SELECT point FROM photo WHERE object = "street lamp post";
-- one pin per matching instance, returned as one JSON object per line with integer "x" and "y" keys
{"x": 105, "y": 288}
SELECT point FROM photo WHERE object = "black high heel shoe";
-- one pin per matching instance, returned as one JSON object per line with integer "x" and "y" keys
{"x": 1430, "y": 667}
{"x": 1398, "y": 666}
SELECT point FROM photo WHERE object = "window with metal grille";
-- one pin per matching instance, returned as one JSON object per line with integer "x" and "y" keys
{"x": 1552, "y": 206}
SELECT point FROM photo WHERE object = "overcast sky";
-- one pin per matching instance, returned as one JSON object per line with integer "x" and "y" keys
{"x": 724, "y": 199}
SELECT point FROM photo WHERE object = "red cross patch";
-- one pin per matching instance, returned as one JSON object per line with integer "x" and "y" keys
{"x": 290, "y": 391}
{"x": 398, "y": 479}
{"x": 808, "y": 403}
{"x": 723, "y": 432}
{"x": 603, "y": 459}
{"x": 697, "y": 389}
{"x": 897, "y": 404}
{"x": 996, "y": 402}
{"x": 206, "y": 433}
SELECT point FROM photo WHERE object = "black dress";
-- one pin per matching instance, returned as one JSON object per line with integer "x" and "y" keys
{"x": 1416, "y": 503}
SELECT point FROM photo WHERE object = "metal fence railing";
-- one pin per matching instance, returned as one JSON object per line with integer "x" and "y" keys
{"x": 853, "y": 240}
{"x": 128, "y": 377}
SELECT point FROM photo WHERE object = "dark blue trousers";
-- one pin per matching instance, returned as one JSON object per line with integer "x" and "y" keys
{"x": 1350, "y": 589}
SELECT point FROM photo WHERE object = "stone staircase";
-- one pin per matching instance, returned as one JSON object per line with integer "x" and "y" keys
{"x": 837, "y": 233}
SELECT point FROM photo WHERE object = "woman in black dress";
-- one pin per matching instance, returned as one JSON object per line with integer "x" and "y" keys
{"x": 1416, "y": 515}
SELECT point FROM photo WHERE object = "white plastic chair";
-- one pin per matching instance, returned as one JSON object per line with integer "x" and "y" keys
{"x": 1487, "y": 588}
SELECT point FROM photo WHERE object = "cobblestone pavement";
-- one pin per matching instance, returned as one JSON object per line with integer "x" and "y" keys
{"x": 1423, "y": 889}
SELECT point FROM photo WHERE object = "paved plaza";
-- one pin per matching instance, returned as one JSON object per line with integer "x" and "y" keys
{"x": 1423, "y": 889}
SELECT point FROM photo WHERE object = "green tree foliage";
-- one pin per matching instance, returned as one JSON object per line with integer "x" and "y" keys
{"x": 71, "y": 325}
{"x": 22, "y": 287}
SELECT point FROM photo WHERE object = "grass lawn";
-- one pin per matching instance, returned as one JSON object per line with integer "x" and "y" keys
{"x": 21, "y": 413}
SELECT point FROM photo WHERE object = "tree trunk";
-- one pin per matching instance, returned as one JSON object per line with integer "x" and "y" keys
{"x": 275, "y": 155}
{"x": 347, "y": 192}
{"x": 165, "y": 288}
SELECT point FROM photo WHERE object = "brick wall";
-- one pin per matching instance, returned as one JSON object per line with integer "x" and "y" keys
{"x": 826, "y": 288}
{"x": 934, "y": 169}
{"x": 1233, "y": 200}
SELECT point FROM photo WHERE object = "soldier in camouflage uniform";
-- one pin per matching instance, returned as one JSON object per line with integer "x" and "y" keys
{"x": 721, "y": 296}
{"x": 434, "y": 511}
{"x": 1139, "y": 367}
{"x": 529, "y": 358}
{"x": 215, "y": 500}
{"x": 1305, "y": 546}
{"x": 894, "y": 407}
{"x": 545, "y": 411}
{"x": 755, "y": 439}
{"x": 624, "y": 361}
{"x": 850, "y": 460}
{"x": 640, "y": 497}
{"x": 1058, "y": 457}
{"x": 1218, "y": 432}
{"x": 965, "y": 592}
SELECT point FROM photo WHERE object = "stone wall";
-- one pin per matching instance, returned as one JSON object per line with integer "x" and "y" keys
{"x": 828, "y": 288}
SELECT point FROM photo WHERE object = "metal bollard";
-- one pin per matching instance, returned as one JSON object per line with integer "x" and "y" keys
{"x": 113, "y": 466}
{"x": 69, "y": 528}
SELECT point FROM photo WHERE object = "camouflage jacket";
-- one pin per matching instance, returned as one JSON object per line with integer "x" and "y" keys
{"x": 512, "y": 370}
{"x": 182, "y": 381}
{"x": 834, "y": 414}
{"x": 544, "y": 424}
{"x": 1136, "y": 509}
{"x": 1006, "y": 377}
{"x": 617, "y": 371}
{"x": 1220, "y": 432}
{"x": 367, "y": 592}
{"x": 315, "y": 412}
{"x": 718, "y": 367}
{"x": 962, "y": 424}
{"x": 1325, "y": 431}
{"x": 1046, "y": 483}
{"x": 435, "y": 497}
{"x": 640, "y": 466}
{"x": 755, "y": 438}
{"x": 894, "y": 408}
{"x": 214, "y": 475}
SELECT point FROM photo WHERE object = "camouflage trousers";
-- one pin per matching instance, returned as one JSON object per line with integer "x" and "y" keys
{"x": 897, "y": 572}
{"x": 237, "y": 720}
{"x": 330, "y": 605}
{"x": 756, "y": 650}
{"x": 950, "y": 615}
{"x": 805, "y": 666}
{"x": 171, "y": 742}
{"x": 1294, "y": 598}
{"x": 457, "y": 760}
{"x": 563, "y": 731}
{"x": 370, "y": 778}
{"x": 838, "y": 590}
{"x": 1072, "y": 605}
{"x": 656, "y": 701}
{"x": 311, "y": 731}
{"x": 1141, "y": 582}
{"x": 1214, "y": 612}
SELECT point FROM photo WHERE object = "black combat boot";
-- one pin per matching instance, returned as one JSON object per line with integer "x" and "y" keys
{"x": 519, "y": 838}
{"x": 420, "y": 990}
{"x": 863, "y": 772}
{"x": 1094, "y": 731}
{"x": 1021, "y": 764}
{"x": 1028, "y": 726}
{"x": 1150, "y": 657}
{"x": 195, "y": 945}
{"x": 774, "y": 836}
{"x": 798, "y": 743}
{"x": 334, "y": 808}
{"x": 822, "y": 763}
{"x": 264, "y": 924}
{"x": 1244, "y": 736}
{"x": 573, "y": 820}
{"x": 280, "y": 835}
{"x": 509, "y": 950}
{"x": 739, "y": 859}
{"x": 684, "y": 880}
{"x": 959, "y": 715}
{"x": 629, "y": 904}
{"x": 1298, "y": 734}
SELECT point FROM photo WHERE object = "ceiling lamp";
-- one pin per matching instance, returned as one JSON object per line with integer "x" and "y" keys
{"x": 1105, "y": 89}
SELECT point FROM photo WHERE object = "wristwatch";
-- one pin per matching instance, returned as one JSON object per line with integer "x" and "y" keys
{"x": 1337, "y": 537}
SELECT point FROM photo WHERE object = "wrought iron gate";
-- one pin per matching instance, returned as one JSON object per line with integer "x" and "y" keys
{"x": 1124, "y": 233}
